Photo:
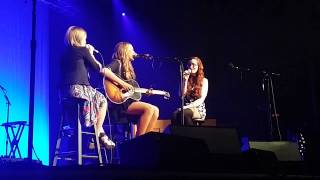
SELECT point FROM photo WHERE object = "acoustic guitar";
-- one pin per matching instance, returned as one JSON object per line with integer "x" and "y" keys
{"x": 117, "y": 95}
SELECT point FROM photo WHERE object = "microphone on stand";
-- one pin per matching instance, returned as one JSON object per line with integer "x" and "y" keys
{"x": 230, "y": 64}
{"x": 5, "y": 94}
{"x": 275, "y": 74}
{"x": 144, "y": 56}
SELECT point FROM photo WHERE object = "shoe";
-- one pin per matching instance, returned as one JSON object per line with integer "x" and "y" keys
{"x": 108, "y": 143}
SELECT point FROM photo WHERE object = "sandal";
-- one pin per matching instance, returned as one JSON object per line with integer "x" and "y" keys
{"x": 104, "y": 139}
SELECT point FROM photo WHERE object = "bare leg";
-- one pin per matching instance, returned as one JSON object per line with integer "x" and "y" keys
{"x": 153, "y": 119}
{"x": 101, "y": 117}
{"x": 146, "y": 111}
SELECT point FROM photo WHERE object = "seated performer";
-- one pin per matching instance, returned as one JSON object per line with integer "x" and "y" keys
{"x": 119, "y": 70}
{"x": 195, "y": 89}
{"x": 78, "y": 57}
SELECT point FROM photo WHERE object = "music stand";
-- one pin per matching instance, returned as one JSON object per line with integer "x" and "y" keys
{"x": 16, "y": 135}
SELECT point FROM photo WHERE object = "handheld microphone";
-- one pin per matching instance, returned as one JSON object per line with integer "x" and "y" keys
{"x": 94, "y": 50}
{"x": 144, "y": 56}
{"x": 187, "y": 72}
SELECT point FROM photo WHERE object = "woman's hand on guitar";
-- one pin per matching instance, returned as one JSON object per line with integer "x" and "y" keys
{"x": 149, "y": 92}
{"x": 126, "y": 86}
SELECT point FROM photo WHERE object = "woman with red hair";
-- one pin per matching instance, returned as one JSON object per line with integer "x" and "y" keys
{"x": 195, "y": 89}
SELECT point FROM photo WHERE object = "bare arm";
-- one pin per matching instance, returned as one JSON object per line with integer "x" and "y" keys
{"x": 96, "y": 61}
{"x": 186, "y": 75}
{"x": 92, "y": 59}
{"x": 185, "y": 82}
{"x": 204, "y": 92}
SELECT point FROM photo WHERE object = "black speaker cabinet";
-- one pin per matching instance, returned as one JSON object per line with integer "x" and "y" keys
{"x": 158, "y": 150}
{"x": 219, "y": 140}
{"x": 284, "y": 150}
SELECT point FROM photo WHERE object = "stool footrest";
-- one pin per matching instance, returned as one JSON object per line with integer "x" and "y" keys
{"x": 89, "y": 156}
{"x": 89, "y": 133}
{"x": 68, "y": 153}
{"x": 66, "y": 158}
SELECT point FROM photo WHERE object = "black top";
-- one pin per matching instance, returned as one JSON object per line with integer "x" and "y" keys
{"x": 118, "y": 111}
{"x": 115, "y": 66}
{"x": 75, "y": 62}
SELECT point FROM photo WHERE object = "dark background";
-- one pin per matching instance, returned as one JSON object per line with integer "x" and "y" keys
{"x": 267, "y": 35}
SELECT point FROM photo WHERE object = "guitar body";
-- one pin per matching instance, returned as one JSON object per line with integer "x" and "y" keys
{"x": 115, "y": 93}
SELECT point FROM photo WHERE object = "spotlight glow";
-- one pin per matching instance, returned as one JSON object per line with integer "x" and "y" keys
{"x": 123, "y": 14}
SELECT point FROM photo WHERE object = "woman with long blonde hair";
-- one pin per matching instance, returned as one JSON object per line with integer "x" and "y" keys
{"x": 121, "y": 70}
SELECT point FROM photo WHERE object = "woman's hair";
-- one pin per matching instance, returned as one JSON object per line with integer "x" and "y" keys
{"x": 121, "y": 52}
{"x": 74, "y": 36}
{"x": 194, "y": 85}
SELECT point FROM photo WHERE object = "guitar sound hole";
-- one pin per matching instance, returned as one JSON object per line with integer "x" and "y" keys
{"x": 123, "y": 91}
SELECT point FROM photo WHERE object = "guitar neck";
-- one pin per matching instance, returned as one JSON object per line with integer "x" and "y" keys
{"x": 144, "y": 90}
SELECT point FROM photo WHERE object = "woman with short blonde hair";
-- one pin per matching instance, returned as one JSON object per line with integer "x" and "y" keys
{"x": 77, "y": 58}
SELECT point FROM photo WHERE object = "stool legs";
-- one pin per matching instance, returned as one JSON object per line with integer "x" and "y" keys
{"x": 79, "y": 143}
{"x": 98, "y": 144}
{"x": 79, "y": 152}
{"x": 57, "y": 149}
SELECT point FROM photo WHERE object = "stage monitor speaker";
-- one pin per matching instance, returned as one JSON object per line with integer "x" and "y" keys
{"x": 284, "y": 150}
{"x": 158, "y": 150}
{"x": 219, "y": 140}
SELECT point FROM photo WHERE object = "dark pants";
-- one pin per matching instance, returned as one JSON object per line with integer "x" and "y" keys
{"x": 176, "y": 117}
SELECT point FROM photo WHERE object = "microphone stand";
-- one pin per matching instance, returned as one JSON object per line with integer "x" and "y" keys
{"x": 181, "y": 68}
{"x": 266, "y": 81}
{"x": 181, "y": 91}
{"x": 270, "y": 99}
{"x": 271, "y": 104}
{"x": 8, "y": 110}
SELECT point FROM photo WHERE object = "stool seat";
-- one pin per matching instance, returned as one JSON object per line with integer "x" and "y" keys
{"x": 206, "y": 122}
{"x": 198, "y": 121}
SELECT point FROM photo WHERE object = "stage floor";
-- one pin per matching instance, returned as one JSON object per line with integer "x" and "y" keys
{"x": 34, "y": 170}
